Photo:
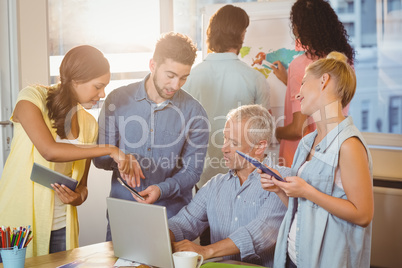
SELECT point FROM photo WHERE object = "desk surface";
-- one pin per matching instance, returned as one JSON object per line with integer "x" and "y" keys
{"x": 101, "y": 253}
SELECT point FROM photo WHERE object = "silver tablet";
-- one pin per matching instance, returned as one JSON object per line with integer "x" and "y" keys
{"x": 45, "y": 176}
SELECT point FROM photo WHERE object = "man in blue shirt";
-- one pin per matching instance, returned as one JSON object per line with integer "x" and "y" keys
{"x": 243, "y": 218}
{"x": 162, "y": 126}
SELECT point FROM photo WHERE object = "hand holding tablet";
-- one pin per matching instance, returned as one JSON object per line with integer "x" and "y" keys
{"x": 259, "y": 165}
{"x": 46, "y": 177}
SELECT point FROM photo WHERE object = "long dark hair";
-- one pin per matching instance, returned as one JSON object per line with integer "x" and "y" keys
{"x": 319, "y": 30}
{"x": 81, "y": 64}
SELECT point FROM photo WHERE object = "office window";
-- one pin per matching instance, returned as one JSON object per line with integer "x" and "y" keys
{"x": 375, "y": 31}
{"x": 365, "y": 115}
{"x": 395, "y": 114}
{"x": 124, "y": 30}
{"x": 378, "y": 42}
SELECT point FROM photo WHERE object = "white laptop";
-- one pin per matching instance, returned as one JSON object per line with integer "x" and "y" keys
{"x": 140, "y": 232}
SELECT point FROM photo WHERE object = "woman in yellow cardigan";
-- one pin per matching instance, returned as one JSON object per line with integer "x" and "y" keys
{"x": 52, "y": 128}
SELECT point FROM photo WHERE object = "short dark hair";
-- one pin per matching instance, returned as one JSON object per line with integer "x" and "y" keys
{"x": 226, "y": 28}
{"x": 175, "y": 46}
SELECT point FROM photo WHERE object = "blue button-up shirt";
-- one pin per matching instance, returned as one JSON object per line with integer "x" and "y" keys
{"x": 247, "y": 214}
{"x": 168, "y": 140}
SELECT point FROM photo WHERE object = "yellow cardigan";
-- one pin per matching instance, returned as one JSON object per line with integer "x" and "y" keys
{"x": 23, "y": 202}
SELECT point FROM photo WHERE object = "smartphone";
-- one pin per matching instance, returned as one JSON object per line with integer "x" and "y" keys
{"x": 259, "y": 165}
{"x": 132, "y": 190}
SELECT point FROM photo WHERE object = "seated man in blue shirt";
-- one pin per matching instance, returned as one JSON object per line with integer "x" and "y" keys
{"x": 163, "y": 127}
{"x": 243, "y": 218}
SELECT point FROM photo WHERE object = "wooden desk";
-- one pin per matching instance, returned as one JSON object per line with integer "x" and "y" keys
{"x": 99, "y": 255}
{"x": 103, "y": 250}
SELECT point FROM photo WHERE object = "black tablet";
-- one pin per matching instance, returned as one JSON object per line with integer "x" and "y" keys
{"x": 46, "y": 177}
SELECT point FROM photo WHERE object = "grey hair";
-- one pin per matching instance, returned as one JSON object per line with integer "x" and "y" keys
{"x": 259, "y": 122}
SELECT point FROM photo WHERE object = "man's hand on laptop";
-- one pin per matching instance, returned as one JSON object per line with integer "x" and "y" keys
{"x": 151, "y": 194}
{"x": 187, "y": 245}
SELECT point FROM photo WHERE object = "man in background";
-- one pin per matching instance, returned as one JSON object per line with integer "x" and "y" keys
{"x": 162, "y": 126}
{"x": 222, "y": 82}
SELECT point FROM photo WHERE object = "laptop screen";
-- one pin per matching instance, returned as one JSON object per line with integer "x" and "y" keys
{"x": 140, "y": 232}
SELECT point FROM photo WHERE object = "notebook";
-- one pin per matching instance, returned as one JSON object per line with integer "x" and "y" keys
{"x": 140, "y": 232}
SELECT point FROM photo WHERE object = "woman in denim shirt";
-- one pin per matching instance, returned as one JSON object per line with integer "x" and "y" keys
{"x": 330, "y": 194}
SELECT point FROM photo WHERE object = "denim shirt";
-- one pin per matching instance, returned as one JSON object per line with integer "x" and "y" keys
{"x": 168, "y": 140}
{"x": 322, "y": 239}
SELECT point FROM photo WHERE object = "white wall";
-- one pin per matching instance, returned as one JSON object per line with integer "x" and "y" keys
{"x": 33, "y": 42}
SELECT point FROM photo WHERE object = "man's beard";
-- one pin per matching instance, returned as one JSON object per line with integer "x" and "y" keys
{"x": 159, "y": 89}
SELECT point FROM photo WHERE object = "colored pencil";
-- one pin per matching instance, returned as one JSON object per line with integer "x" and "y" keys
{"x": 14, "y": 237}
{"x": 29, "y": 240}
{"x": 3, "y": 238}
{"x": 25, "y": 238}
{"x": 19, "y": 237}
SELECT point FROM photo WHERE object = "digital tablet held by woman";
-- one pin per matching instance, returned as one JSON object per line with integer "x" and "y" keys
{"x": 259, "y": 165}
{"x": 46, "y": 177}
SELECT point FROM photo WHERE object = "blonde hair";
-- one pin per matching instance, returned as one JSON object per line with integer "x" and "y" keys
{"x": 259, "y": 123}
{"x": 336, "y": 65}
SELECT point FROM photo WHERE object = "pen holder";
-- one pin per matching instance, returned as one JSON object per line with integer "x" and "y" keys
{"x": 13, "y": 257}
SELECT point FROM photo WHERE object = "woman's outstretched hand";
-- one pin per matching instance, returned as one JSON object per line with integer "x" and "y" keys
{"x": 129, "y": 168}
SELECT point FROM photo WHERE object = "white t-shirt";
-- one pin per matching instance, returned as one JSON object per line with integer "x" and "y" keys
{"x": 60, "y": 209}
